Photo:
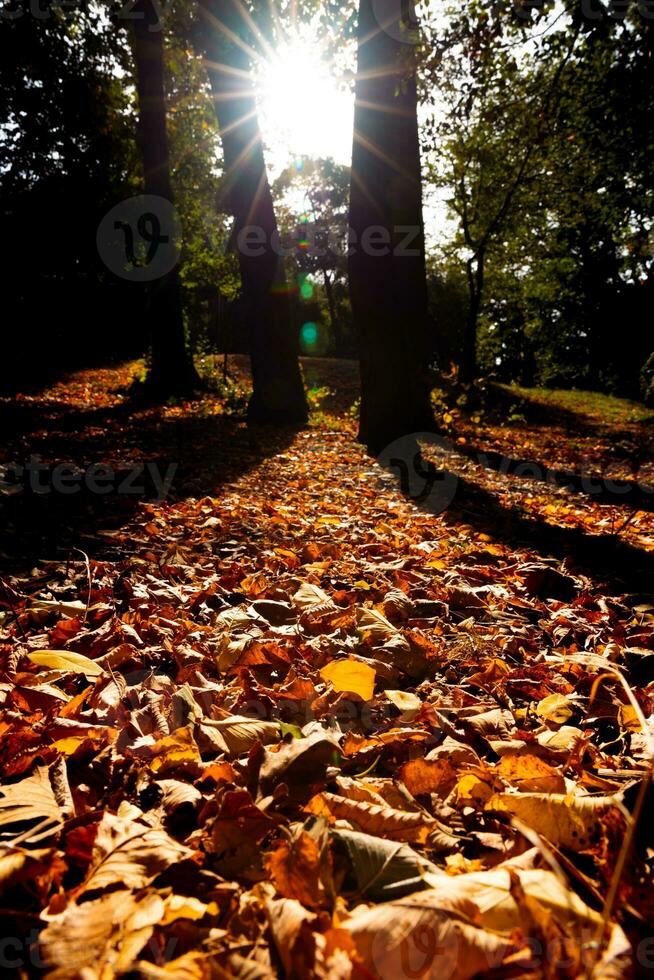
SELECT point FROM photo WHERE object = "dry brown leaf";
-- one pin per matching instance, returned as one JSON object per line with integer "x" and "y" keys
{"x": 295, "y": 868}
{"x": 130, "y": 852}
{"x": 421, "y": 776}
{"x": 100, "y": 939}
{"x": 528, "y": 773}
{"x": 29, "y": 812}
{"x": 427, "y": 937}
{"x": 565, "y": 820}
{"x": 371, "y": 818}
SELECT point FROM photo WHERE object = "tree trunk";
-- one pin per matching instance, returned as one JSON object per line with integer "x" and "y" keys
{"x": 171, "y": 369}
{"x": 337, "y": 338}
{"x": 475, "y": 268}
{"x": 278, "y": 393}
{"x": 388, "y": 286}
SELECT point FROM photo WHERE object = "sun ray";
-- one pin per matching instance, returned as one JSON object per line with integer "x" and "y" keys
{"x": 356, "y": 179}
{"x": 230, "y": 127}
{"x": 384, "y": 157}
{"x": 231, "y": 35}
{"x": 389, "y": 110}
{"x": 304, "y": 110}
{"x": 226, "y": 69}
{"x": 257, "y": 197}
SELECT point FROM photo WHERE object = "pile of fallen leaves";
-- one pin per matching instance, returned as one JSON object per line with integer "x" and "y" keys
{"x": 304, "y": 729}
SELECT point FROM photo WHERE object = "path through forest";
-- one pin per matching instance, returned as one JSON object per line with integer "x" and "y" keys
{"x": 236, "y": 725}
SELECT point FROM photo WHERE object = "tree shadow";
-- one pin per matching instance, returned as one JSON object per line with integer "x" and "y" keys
{"x": 110, "y": 471}
{"x": 602, "y": 489}
{"x": 462, "y": 501}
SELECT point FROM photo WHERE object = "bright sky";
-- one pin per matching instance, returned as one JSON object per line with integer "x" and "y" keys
{"x": 305, "y": 111}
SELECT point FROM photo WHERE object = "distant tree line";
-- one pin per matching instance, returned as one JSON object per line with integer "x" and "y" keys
{"x": 538, "y": 136}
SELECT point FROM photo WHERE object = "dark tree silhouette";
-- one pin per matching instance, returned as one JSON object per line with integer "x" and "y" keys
{"x": 387, "y": 262}
{"x": 171, "y": 366}
{"x": 278, "y": 394}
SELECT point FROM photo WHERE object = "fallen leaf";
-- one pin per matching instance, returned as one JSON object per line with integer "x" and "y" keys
{"x": 350, "y": 676}
{"x": 64, "y": 660}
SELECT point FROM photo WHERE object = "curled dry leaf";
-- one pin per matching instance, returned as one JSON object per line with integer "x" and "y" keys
{"x": 29, "y": 812}
{"x": 555, "y": 709}
{"x": 236, "y": 735}
{"x": 99, "y": 939}
{"x": 372, "y": 818}
{"x": 564, "y": 819}
{"x": 130, "y": 852}
{"x": 383, "y": 869}
{"x": 301, "y": 763}
{"x": 407, "y": 704}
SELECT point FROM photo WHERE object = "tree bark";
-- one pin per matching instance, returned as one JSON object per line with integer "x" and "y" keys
{"x": 278, "y": 393}
{"x": 388, "y": 286}
{"x": 171, "y": 368}
{"x": 337, "y": 339}
{"x": 475, "y": 268}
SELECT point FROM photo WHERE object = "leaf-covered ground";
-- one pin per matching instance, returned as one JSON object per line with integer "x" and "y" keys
{"x": 288, "y": 722}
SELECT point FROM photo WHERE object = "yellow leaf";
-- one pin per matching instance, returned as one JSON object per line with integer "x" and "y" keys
{"x": 67, "y": 746}
{"x": 408, "y": 704}
{"x": 173, "y": 749}
{"x": 567, "y": 821}
{"x": 186, "y": 907}
{"x": 555, "y": 709}
{"x": 529, "y": 774}
{"x": 472, "y": 791}
{"x": 628, "y": 718}
{"x": 350, "y": 676}
{"x": 64, "y": 660}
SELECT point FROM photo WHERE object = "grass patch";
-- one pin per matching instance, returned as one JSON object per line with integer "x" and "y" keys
{"x": 591, "y": 404}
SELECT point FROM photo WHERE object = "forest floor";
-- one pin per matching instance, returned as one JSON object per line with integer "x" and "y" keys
{"x": 292, "y": 721}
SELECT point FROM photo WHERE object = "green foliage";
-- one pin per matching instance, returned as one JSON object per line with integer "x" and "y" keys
{"x": 544, "y": 152}
{"x": 208, "y": 268}
{"x": 312, "y": 209}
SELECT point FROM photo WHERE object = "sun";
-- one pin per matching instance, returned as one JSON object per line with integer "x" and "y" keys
{"x": 304, "y": 110}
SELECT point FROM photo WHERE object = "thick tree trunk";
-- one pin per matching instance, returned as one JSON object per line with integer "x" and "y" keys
{"x": 278, "y": 392}
{"x": 387, "y": 262}
{"x": 171, "y": 369}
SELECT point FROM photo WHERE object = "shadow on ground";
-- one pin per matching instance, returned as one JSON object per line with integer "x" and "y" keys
{"x": 134, "y": 453}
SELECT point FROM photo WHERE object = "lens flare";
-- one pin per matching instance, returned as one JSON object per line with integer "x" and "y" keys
{"x": 309, "y": 336}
